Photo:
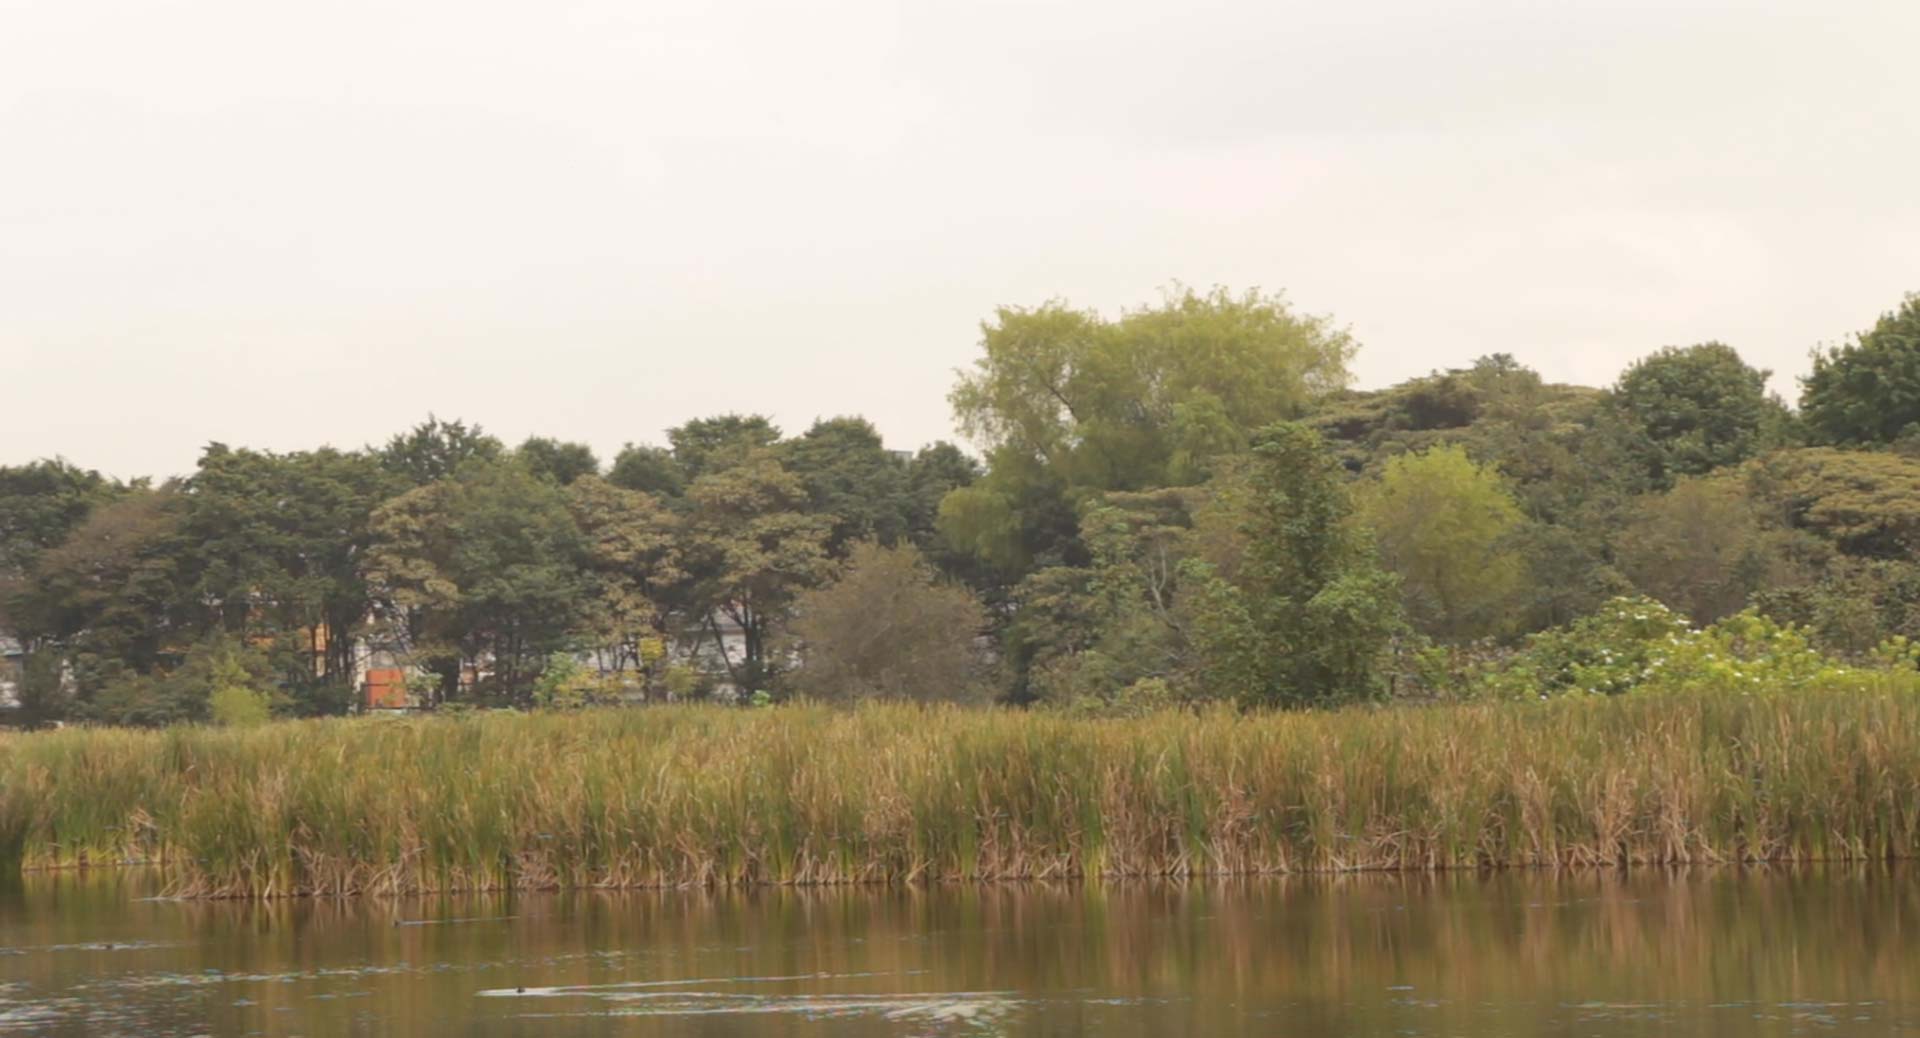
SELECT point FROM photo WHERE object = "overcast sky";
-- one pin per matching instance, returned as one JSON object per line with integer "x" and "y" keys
{"x": 281, "y": 225}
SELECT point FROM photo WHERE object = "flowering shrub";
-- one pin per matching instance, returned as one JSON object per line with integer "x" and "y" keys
{"x": 1631, "y": 642}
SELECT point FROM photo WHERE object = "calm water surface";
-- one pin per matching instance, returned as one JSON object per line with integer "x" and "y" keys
{"x": 1721, "y": 952}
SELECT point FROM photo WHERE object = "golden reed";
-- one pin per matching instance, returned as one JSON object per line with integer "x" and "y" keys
{"x": 707, "y": 795}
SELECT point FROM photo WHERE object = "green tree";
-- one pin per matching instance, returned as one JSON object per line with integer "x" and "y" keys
{"x": 936, "y": 470}
{"x": 651, "y": 470}
{"x": 1020, "y": 516}
{"x": 218, "y": 669}
{"x": 749, "y": 546}
{"x": 887, "y": 629}
{"x": 44, "y": 692}
{"x": 1853, "y": 606}
{"x": 1704, "y": 549}
{"x": 275, "y": 546}
{"x": 707, "y": 445}
{"x": 1864, "y": 503}
{"x": 1691, "y": 410}
{"x": 1066, "y": 401}
{"x": 853, "y": 480}
{"x": 1092, "y": 639}
{"x": 557, "y": 461}
{"x": 1304, "y": 613}
{"x": 483, "y": 568}
{"x": 631, "y": 569}
{"x": 41, "y": 503}
{"x": 1867, "y": 391}
{"x": 112, "y": 597}
{"x": 435, "y": 450}
{"x": 1448, "y": 528}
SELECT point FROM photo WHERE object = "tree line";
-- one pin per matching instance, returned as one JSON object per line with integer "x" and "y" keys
{"x": 1184, "y": 502}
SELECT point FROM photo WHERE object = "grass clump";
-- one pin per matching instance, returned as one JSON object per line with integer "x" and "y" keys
{"x": 704, "y": 795}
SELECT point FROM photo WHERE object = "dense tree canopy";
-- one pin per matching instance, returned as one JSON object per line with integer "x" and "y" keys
{"x": 1691, "y": 410}
{"x": 1448, "y": 528}
{"x": 435, "y": 450}
{"x": 556, "y": 461}
{"x": 1179, "y": 505}
{"x": 1303, "y": 615}
{"x": 484, "y": 563}
{"x": 1868, "y": 391}
{"x": 1069, "y": 401}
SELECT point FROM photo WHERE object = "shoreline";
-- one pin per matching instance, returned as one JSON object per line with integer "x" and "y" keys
{"x": 711, "y": 797}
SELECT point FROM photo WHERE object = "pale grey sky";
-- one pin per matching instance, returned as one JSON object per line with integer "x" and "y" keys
{"x": 282, "y": 225}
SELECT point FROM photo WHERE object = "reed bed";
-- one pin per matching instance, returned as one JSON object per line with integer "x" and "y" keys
{"x": 702, "y": 795}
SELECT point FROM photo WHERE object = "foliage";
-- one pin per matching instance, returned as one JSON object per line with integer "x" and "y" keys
{"x": 1019, "y": 517}
{"x": 43, "y": 690}
{"x": 1695, "y": 409}
{"x": 887, "y": 628}
{"x": 566, "y": 685}
{"x": 630, "y": 569}
{"x": 1863, "y": 503}
{"x": 435, "y": 450}
{"x": 706, "y": 446}
{"x": 276, "y": 546}
{"x": 1635, "y": 643}
{"x": 1304, "y": 616}
{"x": 1065, "y": 400}
{"x": 556, "y": 461}
{"x": 238, "y": 706}
{"x": 651, "y": 470}
{"x": 110, "y": 596}
{"x": 1868, "y": 391}
{"x": 852, "y": 479}
{"x": 1086, "y": 639}
{"x": 41, "y": 504}
{"x": 485, "y": 565}
{"x": 704, "y": 795}
{"x": 1854, "y": 606}
{"x": 1703, "y": 549}
{"x": 1447, "y": 527}
{"x": 750, "y": 546}
{"x": 218, "y": 670}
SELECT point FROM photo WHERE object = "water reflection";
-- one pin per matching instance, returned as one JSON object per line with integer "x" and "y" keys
{"x": 1823, "y": 951}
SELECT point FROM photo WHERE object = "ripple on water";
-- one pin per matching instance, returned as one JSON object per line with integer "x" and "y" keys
{"x": 689, "y": 997}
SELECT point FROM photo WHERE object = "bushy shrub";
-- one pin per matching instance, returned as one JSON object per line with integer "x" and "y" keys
{"x": 1635, "y": 642}
{"x": 566, "y": 685}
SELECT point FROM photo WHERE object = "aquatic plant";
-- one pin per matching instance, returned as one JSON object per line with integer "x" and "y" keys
{"x": 707, "y": 795}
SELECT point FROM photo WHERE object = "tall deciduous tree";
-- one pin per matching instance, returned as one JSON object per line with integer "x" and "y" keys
{"x": 556, "y": 460}
{"x": 852, "y": 479}
{"x": 111, "y": 597}
{"x": 631, "y": 566}
{"x": 750, "y": 545}
{"x": 1688, "y": 411}
{"x": 1148, "y": 400}
{"x": 41, "y": 503}
{"x": 276, "y": 546}
{"x": 651, "y": 470}
{"x": 1868, "y": 391}
{"x": 483, "y": 567}
{"x": 1447, "y": 527}
{"x": 435, "y": 450}
{"x": 707, "y": 445}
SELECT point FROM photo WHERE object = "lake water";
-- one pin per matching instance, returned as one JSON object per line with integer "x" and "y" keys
{"x": 1714, "y": 952}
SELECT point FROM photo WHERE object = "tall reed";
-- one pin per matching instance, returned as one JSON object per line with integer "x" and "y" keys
{"x": 806, "y": 794}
